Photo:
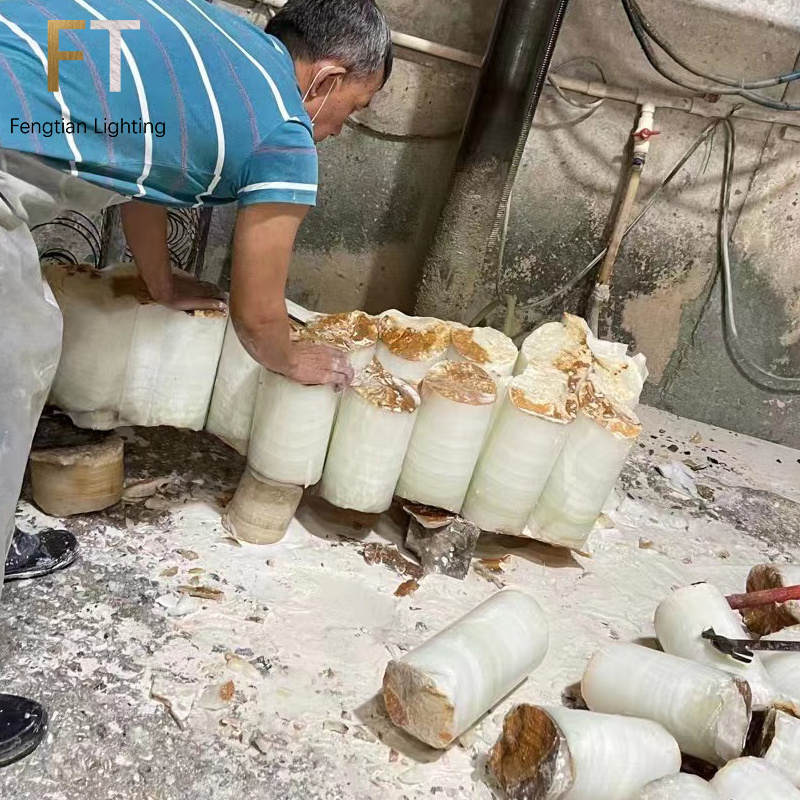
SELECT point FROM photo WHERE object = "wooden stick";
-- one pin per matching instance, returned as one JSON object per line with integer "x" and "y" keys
{"x": 764, "y": 597}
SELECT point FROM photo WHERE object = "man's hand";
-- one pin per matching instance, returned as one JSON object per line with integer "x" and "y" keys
{"x": 145, "y": 226}
{"x": 305, "y": 362}
{"x": 188, "y": 294}
{"x": 320, "y": 363}
{"x": 262, "y": 249}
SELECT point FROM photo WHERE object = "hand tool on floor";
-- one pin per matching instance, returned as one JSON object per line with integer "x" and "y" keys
{"x": 742, "y": 649}
{"x": 764, "y": 597}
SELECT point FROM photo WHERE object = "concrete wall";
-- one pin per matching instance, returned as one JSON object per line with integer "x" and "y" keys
{"x": 382, "y": 190}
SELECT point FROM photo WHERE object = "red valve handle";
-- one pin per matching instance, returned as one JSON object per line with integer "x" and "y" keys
{"x": 645, "y": 134}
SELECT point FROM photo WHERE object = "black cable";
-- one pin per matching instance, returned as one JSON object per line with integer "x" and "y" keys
{"x": 80, "y": 224}
{"x": 654, "y": 34}
{"x": 58, "y": 256}
{"x": 636, "y": 21}
{"x": 376, "y": 133}
{"x": 587, "y": 107}
{"x": 543, "y": 301}
{"x": 777, "y": 384}
{"x": 755, "y": 374}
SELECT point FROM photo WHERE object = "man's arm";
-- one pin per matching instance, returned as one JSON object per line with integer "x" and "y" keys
{"x": 145, "y": 226}
{"x": 262, "y": 250}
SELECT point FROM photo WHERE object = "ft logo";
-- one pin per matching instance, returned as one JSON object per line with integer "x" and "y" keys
{"x": 54, "y": 55}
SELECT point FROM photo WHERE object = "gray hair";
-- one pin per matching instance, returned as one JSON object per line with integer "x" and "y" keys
{"x": 353, "y": 32}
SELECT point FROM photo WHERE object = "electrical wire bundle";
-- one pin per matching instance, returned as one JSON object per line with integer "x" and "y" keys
{"x": 646, "y": 34}
{"x": 763, "y": 378}
{"x": 755, "y": 374}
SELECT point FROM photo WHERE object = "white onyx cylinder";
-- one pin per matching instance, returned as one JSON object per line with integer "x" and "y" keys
{"x": 563, "y": 344}
{"x": 487, "y": 348}
{"x": 172, "y": 365}
{"x": 682, "y": 617}
{"x": 441, "y": 688}
{"x": 753, "y": 779}
{"x": 584, "y": 475}
{"x": 550, "y": 753}
{"x": 369, "y": 441}
{"x": 99, "y": 309}
{"x": 355, "y": 332}
{"x": 502, "y": 399}
{"x": 783, "y": 669}
{"x": 520, "y": 450}
{"x": 621, "y": 379}
{"x": 291, "y": 428}
{"x": 230, "y": 415}
{"x": 779, "y": 743}
{"x": 361, "y": 358}
{"x": 409, "y": 346}
{"x": 679, "y": 787}
{"x": 545, "y": 343}
{"x": 704, "y": 709}
{"x": 457, "y": 401}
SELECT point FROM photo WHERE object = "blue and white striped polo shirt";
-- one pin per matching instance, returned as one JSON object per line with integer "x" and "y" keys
{"x": 209, "y": 110}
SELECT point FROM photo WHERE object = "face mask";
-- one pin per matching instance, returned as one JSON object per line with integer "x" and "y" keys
{"x": 313, "y": 82}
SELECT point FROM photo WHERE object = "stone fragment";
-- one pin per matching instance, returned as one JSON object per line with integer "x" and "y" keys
{"x": 444, "y": 543}
{"x": 243, "y": 667}
{"x": 177, "y": 698}
{"x": 406, "y": 588}
{"x": 203, "y": 592}
{"x": 217, "y": 697}
{"x": 377, "y": 553}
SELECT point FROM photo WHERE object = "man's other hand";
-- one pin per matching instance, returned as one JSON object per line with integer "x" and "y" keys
{"x": 188, "y": 294}
{"x": 317, "y": 364}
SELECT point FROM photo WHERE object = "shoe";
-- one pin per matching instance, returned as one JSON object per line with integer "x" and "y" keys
{"x": 23, "y": 725}
{"x": 37, "y": 554}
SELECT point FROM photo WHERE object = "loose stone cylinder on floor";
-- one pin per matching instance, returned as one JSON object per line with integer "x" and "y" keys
{"x": 520, "y": 450}
{"x": 680, "y": 620}
{"x": 679, "y": 787}
{"x": 457, "y": 402}
{"x": 261, "y": 510}
{"x": 753, "y": 779}
{"x": 706, "y": 710}
{"x": 78, "y": 479}
{"x": 779, "y": 743}
{"x": 783, "y": 669}
{"x": 369, "y": 441}
{"x": 437, "y": 691}
{"x": 547, "y": 753}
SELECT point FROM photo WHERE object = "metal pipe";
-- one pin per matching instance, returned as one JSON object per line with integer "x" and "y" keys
{"x": 691, "y": 105}
{"x": 436, "y": 49}
{"x": 641, "y": 147}
{"x": 407, "y": 41}
{"x": 469, "y": 233}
